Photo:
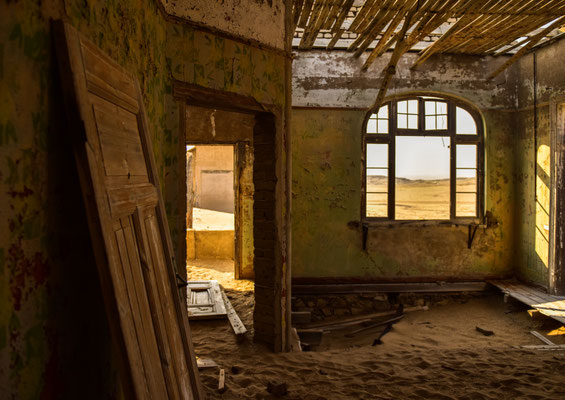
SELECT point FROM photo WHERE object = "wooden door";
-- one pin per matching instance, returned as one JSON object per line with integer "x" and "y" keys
{"x": 127, "y": 221}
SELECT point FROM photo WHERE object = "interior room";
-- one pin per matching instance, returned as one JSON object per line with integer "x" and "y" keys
{"x": 302, "y": 199}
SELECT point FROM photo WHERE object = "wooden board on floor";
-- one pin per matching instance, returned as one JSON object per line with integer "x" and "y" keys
{"x": 547, "y": 304}
{"x": 128, "y": 225}
{"x": 205, "y": 300}
{"x": 235, "y": 321}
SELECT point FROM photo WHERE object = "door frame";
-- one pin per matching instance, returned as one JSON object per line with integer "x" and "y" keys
{"x": 271, "y": 204}
{"x": 556, "y": 267}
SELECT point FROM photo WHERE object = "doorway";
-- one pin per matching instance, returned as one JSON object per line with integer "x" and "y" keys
{"x": 210, "y": 203}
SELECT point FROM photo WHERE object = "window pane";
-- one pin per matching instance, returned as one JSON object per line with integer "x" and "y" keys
{"x": 383, "y": 112}
{"x": 466, "y": 205}
{"x": 402, "y": 121}
{"x": 377, "y": 180}
{"x": 382, "y": 126}
{"x": 422, "y": 177}
{"x": 466, "y": 180}
{"x": 412, "y": 122}
{"x": 403, "y": 107}
{"x": 430, "y": 122}
{"x": 377, "y": 155}
{"x": 412, "y": 106}
{"x": 441, "y": 107}
{"x": 466, "y": 156}
{"x": 372, "y": 125}
{"x": 442, "y": 122}
{"x": 430, "y": 107}
{"x": 377, "y": 205}
{"x": 465, "y": 123}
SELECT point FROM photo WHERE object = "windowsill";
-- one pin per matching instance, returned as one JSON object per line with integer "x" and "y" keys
{"x": 385, "y": 223}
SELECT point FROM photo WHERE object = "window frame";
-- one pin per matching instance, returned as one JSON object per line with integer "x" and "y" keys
{"x": 455, "y": 139}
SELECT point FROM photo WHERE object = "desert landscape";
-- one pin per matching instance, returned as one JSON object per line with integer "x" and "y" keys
{"x": 421, "y": 198}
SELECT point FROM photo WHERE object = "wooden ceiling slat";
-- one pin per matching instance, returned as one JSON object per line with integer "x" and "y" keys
{"x": 381, "y": 19}
{"x": 394, "y": 23}
{"x": 342, "y": 15}
{"x": 296, "y": 11}
{"x": 362, "y": 14}
{"x": 474, "y": 26}
{"x": 306, "y": 10}
{"x": 502, "y": 29}
{"x": 535, "y": 39}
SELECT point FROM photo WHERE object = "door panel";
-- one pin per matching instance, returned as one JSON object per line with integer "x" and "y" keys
{"x": 127, "y": 222}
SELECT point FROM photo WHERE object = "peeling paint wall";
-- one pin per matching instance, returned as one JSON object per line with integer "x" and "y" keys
{"x": 327, "y": 175}
{"x": 533, "y": 170}
{"x": 52, "y": 320}
{"x": 259, "y": 20}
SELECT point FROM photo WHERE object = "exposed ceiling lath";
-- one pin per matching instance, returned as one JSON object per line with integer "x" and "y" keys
{"x": 479, "y": 27}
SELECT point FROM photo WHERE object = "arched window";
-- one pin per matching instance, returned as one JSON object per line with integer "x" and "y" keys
{"x": 423, "y": 161}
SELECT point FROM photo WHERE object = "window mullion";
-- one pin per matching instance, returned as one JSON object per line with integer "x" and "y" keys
{"x": 453, "y": 162}
{"x": 392, "y": 117}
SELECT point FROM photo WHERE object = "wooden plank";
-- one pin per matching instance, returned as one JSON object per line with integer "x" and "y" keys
{"x": 542, "y": 347}
{"x": 301, "y": 317}
{"x": 222, "y": 380}
{"x": 205, "y": 363}
{"x": 205, "y": 300}
{"x": 425, "y": 287}
{"x": 337, "y": 324}
{"x": 113, "y": 156}
{"x": 235, "y": 321}
{"x": 546, "y": 304}
{"x": 542, "y": 338}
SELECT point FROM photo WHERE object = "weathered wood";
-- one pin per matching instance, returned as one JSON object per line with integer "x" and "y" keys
{"x": 301, "y": 317}
{"x": 338, "y": 324}
{"x": 127, "y": 223}
{"x": 222, "y": 381}
{"x": 205, "y": 363}
{"x": 375, "y": 325}
{"x": 235, "y": 321}
{"x": 542, "y": 338}
{"x": 424, "y": 287}
{"x": 205, "y": 300}
{"x": 548, "y": 305}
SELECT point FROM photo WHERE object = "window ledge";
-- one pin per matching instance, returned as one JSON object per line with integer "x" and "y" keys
{"x": 384, "y": 223}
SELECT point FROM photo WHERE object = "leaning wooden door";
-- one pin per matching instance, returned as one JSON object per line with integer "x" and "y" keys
{"x": 127, "y": 221}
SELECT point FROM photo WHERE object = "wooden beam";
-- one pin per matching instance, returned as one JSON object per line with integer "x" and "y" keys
{"x": 527, "y": 47}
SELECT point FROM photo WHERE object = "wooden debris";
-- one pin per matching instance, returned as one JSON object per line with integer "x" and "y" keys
{"x": 375, "y": 325}
{"x": 301, "y": 317}
{"x": 339, "y": 324}
{"x": 205, "y": 363}
{"x": 235, "y": 321}
{"x": 384, "y": 332}
{"x": 542, "y": 347}
{"x": 222, "y": 381}
{"x": 205, "y": 300}
{"x": 484, "y": 331}
{"x": 542, "y": 338}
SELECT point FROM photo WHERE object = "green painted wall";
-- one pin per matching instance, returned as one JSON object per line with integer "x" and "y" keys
{"x": 54, "y": 339}
{"x": 327, "y": 150}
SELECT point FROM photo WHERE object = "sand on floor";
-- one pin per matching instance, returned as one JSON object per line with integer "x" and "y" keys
{"x": 434, "y": 354}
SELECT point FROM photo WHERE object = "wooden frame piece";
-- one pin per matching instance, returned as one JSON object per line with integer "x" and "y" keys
{"x": 128, "y": 225}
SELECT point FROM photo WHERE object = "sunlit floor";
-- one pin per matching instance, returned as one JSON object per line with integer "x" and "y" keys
{"x": 434, "y": 354}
